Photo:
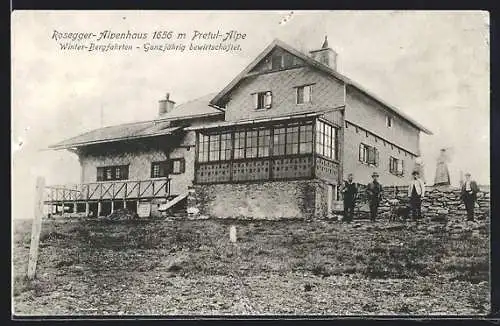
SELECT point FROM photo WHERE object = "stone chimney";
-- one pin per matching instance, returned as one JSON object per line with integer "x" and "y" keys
{"x": 325, "y": 55}
{"x": 165, "y": 105}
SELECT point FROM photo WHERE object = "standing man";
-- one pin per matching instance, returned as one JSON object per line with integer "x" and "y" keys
{"x": 350, "y": 193}
{"x": 374, "y": 194}
{"x": 416, "y": 191}
{"x": 469, "y": 195}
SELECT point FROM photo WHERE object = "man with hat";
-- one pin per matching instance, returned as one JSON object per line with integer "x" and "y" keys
{"x": 469, "y": 195}
{"x": 416, "y": 191}
{"x": 374, "y": 194}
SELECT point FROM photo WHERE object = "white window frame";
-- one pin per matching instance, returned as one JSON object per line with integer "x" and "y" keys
{"x": 365, "y": 159}
{"x": 267, "y": 100}
{"x": 399, "y": 163}
{"x": 309, "y": 93}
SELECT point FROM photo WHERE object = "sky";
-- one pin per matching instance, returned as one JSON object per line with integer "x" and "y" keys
{"x": 434, "y": 66}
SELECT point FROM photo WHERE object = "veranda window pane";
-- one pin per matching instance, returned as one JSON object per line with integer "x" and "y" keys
{"x": 264, "y": 139}
{"x": 239, "y": 145}
{"x": 251, "y": 143}
{"x": 292, "y": 146}
{"x": 279, "y": 141}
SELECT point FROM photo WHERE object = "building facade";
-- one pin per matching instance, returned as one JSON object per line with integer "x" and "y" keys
{"x": 276, "y": 142}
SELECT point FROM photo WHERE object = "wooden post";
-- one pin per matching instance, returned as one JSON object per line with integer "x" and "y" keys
{"x": 232, "y": 234}
{"x": 125, "y": 196}
{"x": 87, "y": 208}
{"x": 98, "y": 208}
{"x": 75, "y": 208}
{"x": 36, "y": 228}
{"x": 112, "y": 206}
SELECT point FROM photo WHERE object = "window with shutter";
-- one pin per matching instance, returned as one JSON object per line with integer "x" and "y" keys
{"x": 177, "y": 166}
{"x": 368, "y": 154}
{"x": 100, "y": 174}
{"x": 263, "y": 100}
{"x": 115, "y": 172}
{"x": 396, "y": 166}
{"x": 160, "y": 169}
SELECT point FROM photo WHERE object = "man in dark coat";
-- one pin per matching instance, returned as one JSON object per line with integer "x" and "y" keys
{"x": 469, "y": 195}
{"x": 374, "y": 194}
{"x": 350, "y": 192}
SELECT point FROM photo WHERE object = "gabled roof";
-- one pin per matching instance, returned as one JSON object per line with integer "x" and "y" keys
{"x": 160, "y": 126}
{"x": 318, "y": 65}
{"x": 116, "y": 133}
{"x": 193, "y": 108}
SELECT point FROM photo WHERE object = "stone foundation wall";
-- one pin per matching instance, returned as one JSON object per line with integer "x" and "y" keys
{"x": 270, "y": 200}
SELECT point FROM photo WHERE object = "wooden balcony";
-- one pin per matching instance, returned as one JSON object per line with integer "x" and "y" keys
{"x": 108, "y": 191}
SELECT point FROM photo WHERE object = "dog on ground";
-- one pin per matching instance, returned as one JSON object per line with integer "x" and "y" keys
{"x": 399, "y": 211}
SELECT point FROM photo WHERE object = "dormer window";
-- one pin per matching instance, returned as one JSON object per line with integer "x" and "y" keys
{"x": 304, "y": 94}
{"x": 263, "y": 100}
{"x": 276, "y": 62}
{"x": 388, "y": 121}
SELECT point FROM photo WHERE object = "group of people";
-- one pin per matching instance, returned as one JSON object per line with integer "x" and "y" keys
{"x": 416, "y": 193}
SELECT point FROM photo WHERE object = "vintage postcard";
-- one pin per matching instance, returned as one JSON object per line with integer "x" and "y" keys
{"x": 222, "y": 163}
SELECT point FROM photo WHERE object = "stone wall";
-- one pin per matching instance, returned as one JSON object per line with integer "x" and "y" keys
{"x": 270, "y": 200}
{"x": 307, "y": 199}
{"x": 438, "y": 201}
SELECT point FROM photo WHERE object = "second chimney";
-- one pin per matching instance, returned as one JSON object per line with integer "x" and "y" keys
{"x": 165, "y": 105}
{"x": 325, "y": 55}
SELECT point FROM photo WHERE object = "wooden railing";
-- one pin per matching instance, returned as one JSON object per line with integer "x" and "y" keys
{"x": 109, "y": 190}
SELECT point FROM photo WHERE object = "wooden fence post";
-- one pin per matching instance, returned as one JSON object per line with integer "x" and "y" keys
{"x": 36, "y": 228}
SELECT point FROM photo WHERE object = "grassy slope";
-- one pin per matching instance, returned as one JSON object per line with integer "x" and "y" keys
{"x": 183, "y": 267}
